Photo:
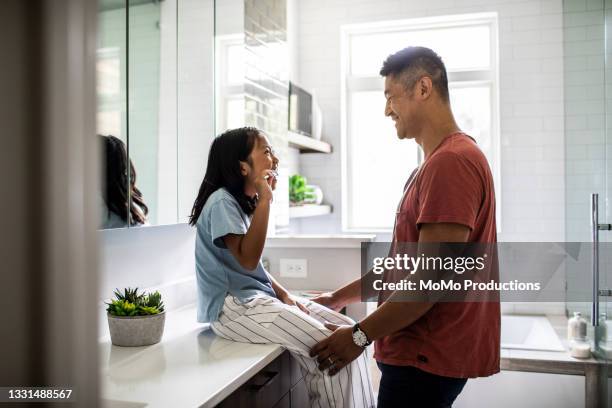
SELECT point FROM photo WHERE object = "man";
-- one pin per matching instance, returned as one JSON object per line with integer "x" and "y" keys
{"x": 426, "y": 350}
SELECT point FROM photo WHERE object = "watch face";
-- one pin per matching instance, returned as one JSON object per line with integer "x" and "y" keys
{"x": 360, "y": 338}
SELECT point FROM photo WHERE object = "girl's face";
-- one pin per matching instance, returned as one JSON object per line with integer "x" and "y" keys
{"x": 261, "y": 158}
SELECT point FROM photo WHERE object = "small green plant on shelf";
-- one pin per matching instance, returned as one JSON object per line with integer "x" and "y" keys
{"x": 132, "y": 303}
{"x": 299, "y": 191}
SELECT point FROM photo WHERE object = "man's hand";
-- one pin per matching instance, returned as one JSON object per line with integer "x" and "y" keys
{"x": 329, "y": 300}
{"x": 291, "y": 300}
{"x": 336, "y": 351}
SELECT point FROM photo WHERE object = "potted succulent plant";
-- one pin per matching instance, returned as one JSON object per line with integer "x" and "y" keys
{"x": 136, "y": 319}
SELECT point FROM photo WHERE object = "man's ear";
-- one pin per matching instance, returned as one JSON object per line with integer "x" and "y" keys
{"x": 425, "y": 87}
{"x": 244, "y": 168}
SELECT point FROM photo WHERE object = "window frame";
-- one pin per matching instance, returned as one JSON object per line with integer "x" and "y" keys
{"x": 350, "y": 83}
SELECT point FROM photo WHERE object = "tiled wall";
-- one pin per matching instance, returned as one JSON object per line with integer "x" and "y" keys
{"x": 531, "y": 100}
{"x": 586, "y": 142}
{"x": 585, "y": 115}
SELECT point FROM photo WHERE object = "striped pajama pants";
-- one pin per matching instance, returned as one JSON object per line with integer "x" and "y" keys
{"x": 265, "y": 320}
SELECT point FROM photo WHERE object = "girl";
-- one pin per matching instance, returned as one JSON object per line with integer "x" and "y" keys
{"x": 123, "y": 201}
{"x": 240, "y": 299}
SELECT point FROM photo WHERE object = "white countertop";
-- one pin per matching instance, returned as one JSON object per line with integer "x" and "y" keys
{"x": 332, "y": 241}
{"x": 190, "y": 367}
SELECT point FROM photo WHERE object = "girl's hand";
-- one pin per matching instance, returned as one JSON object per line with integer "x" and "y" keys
{"x": 265, "y": 184}
{"x": 291, "y": 300}
{"x": 330, "y": 300}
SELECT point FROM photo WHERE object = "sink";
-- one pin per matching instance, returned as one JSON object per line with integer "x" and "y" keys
{"x": 529, "y": 333}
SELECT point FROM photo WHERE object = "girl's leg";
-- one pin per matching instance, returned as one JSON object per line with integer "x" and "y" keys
{"x": 324, "y": 314}
{"x": 267, "y": 320}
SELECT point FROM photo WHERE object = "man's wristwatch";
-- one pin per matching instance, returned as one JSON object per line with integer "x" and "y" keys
{"x": 359, "y": 337}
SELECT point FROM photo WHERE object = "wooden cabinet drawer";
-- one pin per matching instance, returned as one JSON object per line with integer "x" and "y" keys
{"x": 295, "y": 370}
{"x": 285, "y": 402}
{"x": 264, "y": 389}
{"x": 299, "y": 395}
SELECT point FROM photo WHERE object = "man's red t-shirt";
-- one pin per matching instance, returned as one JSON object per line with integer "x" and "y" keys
{"x": 461, "y": 340}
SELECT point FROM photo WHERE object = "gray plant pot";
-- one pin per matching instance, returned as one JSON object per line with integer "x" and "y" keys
{"x": 134, "y": 331}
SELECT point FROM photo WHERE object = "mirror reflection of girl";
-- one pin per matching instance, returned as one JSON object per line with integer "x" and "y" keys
{"x": 123, "y": 201}
{"x": 240, "y": 299}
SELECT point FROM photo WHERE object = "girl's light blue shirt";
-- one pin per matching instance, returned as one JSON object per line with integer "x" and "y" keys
{"x": 218, "y": 272}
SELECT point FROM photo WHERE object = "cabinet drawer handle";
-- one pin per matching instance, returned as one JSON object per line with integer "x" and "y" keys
{"x": 269, "y": 376}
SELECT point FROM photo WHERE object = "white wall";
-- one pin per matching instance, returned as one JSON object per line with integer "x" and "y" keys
{"x": 159, "y": 257}
{"x": 328, "y": 268}
{"x": 531, "y": 86}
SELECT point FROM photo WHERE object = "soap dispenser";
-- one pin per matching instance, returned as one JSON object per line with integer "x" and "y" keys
{"x": 577, "y": 335}
{"x": 577, "y": 327}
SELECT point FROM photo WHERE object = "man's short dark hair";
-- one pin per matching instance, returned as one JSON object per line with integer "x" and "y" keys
{"x": 412, "y": 63}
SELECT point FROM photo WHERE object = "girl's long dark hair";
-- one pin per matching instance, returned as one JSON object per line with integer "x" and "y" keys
{"x": 116, "y": 193}
{"x": 223, "y": 169}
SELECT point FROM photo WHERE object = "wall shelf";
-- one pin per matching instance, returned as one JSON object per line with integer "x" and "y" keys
{"x": 307, "y": 144}
{"x": 309, "y": 210}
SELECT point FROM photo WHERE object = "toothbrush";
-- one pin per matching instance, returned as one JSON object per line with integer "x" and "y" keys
{"x": 274, "y": 173}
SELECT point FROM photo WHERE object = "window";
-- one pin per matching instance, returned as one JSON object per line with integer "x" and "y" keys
{"x": 230, "y": 82}
{"x": 375, "y": 164}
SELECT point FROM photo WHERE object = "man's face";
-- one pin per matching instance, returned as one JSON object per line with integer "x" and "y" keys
{"x": 401, "y": 106}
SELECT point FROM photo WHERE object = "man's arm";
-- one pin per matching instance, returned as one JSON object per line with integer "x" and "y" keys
{"x": 393, "y": 316}
{"x": 336, "y": 300}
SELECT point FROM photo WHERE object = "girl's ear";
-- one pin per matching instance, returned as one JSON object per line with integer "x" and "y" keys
{"x": 244, "y": 168}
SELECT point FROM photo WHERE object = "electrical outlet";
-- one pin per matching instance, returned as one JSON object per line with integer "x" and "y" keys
{"x": 293, "y": 268}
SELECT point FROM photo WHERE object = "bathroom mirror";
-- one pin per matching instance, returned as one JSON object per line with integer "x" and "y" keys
{"x": 195, "y": 97}
{"x": 111, "y": 88}
{"x": 155, "y": 108}
{"x": 152, "y": 108}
